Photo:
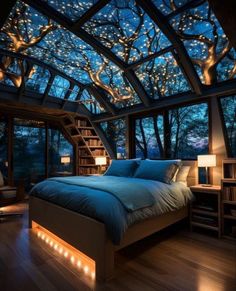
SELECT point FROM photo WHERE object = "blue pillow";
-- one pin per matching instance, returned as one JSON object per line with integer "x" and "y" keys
{"x": 122, "y": 168}
{"x": 160, "y": 170}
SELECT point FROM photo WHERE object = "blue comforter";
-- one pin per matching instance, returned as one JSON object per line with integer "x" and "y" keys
{"x": 91, "y": 197}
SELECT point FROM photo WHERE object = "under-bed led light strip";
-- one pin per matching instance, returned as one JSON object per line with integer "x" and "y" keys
{"x": 77, "y": 259}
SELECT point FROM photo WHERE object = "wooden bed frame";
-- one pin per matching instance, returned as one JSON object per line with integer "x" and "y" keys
{"x": 82, "y": 232}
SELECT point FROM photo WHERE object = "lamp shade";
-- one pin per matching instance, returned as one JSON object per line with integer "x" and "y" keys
{"x": 100, "y": 161}
{"x": 65, "y": 159}
{"x": 206, "y": 160}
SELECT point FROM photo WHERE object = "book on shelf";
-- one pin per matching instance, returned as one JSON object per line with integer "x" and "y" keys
{"x": 86, "y": 132}
{"x": 229, "y": 193}
{"x": 204, "y": 207}
{"x": 205, "y": 220}
{"x": 82, "y": 123}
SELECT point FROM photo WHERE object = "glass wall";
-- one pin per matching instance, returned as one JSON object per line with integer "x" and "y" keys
{"x": 29, "y": 150}
{"x": 228, "y": 105}
{"x": 59, "y": 147}
{"x": 115, "y": 131}
{"x": 3, "y": 146}
{"x": 188, "y": 128}
{"x": 149, "y": 138}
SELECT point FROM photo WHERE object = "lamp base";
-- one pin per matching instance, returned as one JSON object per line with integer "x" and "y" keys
{"x": 206, "y": 185}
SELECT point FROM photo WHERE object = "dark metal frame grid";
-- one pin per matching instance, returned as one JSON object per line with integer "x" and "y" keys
{"x": 199, "y": 91}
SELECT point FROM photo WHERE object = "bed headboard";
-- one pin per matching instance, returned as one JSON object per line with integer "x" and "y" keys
{"x": 193, "y": 173}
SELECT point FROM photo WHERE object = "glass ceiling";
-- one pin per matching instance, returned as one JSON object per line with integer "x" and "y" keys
{"x": 135, "y": 44}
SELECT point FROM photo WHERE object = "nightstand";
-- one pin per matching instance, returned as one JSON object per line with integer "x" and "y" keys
{"x": 205, "y": 210}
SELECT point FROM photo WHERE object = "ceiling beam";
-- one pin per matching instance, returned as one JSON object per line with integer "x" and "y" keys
{"x": 41, "y": 64}
{"x": 224, "y": 89}
{"x": 8, "y": 93}
{"x": 166, "y": 28}
{"x": 149, "y": 58}
{"x": 90, "y": 13}
{"x": 5, "y": 11}
{"x": 188, "y": 5}
{"x": 101, "y": 99}
{"x": 51, "y": 13}
{"x": 138, "y": 87}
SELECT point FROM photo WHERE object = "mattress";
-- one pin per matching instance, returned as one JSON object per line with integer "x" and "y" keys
{"x": 118, "y": 202}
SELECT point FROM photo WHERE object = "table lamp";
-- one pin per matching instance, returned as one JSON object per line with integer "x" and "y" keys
{"x": 100, "y": 161}
{"x": 65, "y": 160}
{"x": 206, "y": 161}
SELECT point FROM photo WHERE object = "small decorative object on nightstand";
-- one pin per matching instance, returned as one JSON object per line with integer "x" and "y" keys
{"x": 205, "y": 210}
{"x": 228, "y": 184}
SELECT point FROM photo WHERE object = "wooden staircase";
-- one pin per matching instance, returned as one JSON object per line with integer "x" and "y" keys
{"x": 88, "y": 145}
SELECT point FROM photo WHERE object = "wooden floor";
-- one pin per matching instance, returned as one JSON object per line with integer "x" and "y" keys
{"x": 171, "y": 260}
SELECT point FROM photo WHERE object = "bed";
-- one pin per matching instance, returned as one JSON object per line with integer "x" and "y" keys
{"x": 81, "y": 230}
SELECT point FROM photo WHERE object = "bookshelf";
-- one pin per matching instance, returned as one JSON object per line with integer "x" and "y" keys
{"x": 89, "y": 145}
{"x": 228, "y": 204}
{"x": 205, "y": 210}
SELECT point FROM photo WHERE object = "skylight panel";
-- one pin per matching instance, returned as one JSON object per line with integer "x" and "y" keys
{"x": 59, "y": 87}
{"x": 91, "y": 103}
{"x": 74, "y": 93}
{"x": 38, "y": 79}
{"x": 47, "y": 41}
{"x": 162, "y": 77}
{"x": 127, "y": 30}
{"x": 168, "y": 6}
{"x": 72, "y": 9}
{"x": 206, "y": 43}
{"x": 115, "y": 85}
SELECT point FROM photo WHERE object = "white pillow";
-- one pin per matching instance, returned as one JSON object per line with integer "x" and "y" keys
{"x": 182, "y": 174}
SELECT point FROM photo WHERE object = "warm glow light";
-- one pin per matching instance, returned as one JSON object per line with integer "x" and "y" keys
{"x": 65, "y": 159}
{"x": 86, "y": 269}
{"x": 206, "y": 160}
{"x": 77, "y": 258}
{"x": 100, "y": 161}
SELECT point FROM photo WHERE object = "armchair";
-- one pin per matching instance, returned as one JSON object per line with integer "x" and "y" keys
{"x": 9, "y": 195}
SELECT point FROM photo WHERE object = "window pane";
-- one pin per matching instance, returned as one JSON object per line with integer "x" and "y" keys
{"x": 59, "y": 147}
{"x": 115, "y": 132}
{"x": 162, "y": 77}
{"x": 29, "y": 150}
{"x": 72, "y": 9}
{"x": 149, "y": 137}
{"x": 91, "y": 103}
{"x": 229, "y": 112}
{"x": 59, "y": 87}
{"x": 38, "y": 79}
{"x": 3, "y": 146}
{"x": 189, "y": 131}
{"x": 206, "y": 43}
{"x": 126, "y": 29}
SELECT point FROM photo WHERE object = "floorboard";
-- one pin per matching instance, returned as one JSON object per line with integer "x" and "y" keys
{"x": 173, "y": 259}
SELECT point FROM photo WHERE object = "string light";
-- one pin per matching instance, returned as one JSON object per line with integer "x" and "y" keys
{"x": 74, "y": 258}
